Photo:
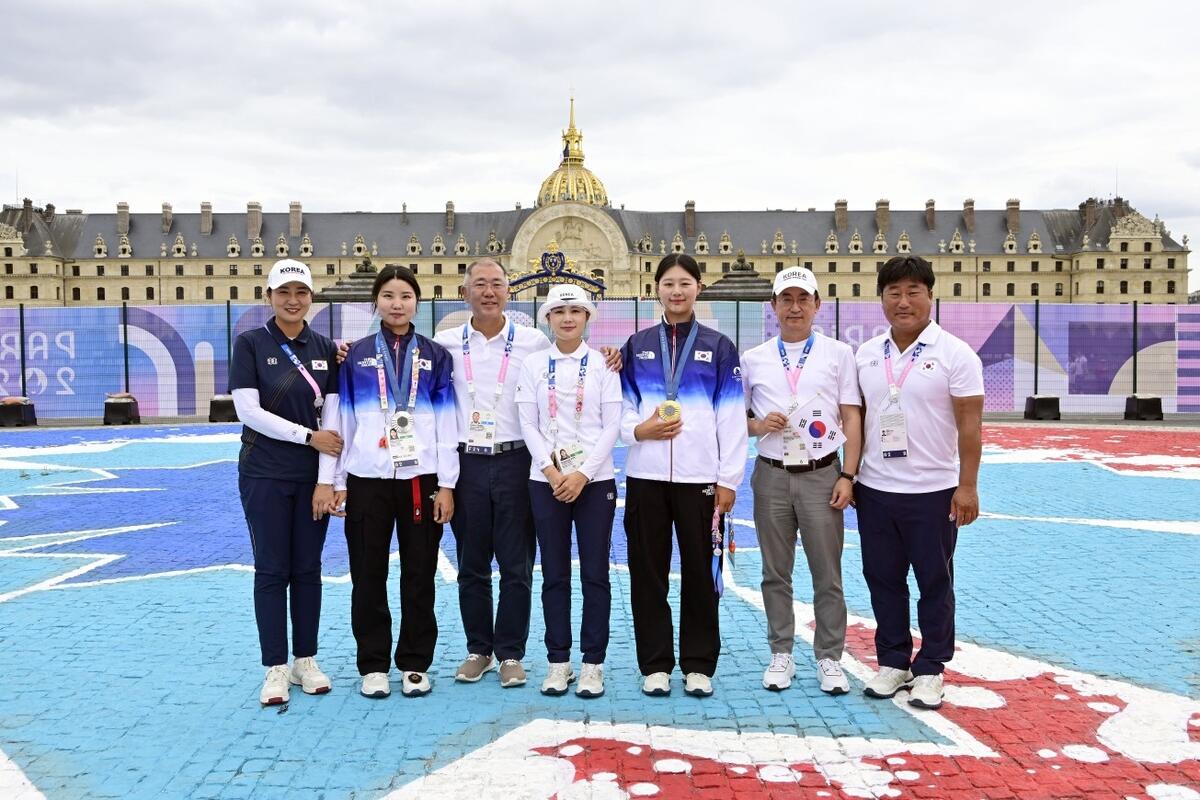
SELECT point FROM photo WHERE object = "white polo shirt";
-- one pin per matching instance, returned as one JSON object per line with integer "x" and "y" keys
{"x": 946, "y": 368}
{"x": 486, "y": 357}
{"x": 600, "y": 424}
{"x": 829, "y": 373}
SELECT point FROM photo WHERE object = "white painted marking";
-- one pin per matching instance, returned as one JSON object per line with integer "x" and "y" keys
{"x": 908, "y": 775}
{"x": 1104, "y": 708}
{"x": 593, "y": 790}
{"x": 643, "y": 790}
{"x": 1187, "y": 527}
{"x": 633, "y": 751}
{"x": 1083, "y": 752}
{"x": 896, "y": 760}
{"x": 1171, "y": 791}
{"x": 672, "y": 766}
{"x": 604, "y": 776}
{"x": 1046, "y": 753}
{"x": 13, "y": 782}
{"x": 445, "y": 568}
{"x": 776, "y": 773}
{"x": 972, "y": 697}
{"x": 569, "y": 750}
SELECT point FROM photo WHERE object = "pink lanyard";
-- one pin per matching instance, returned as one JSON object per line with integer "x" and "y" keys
{"x": 466, "y": 349}
{"x": 552, "y": 395}
{"x": 893, "y": 384}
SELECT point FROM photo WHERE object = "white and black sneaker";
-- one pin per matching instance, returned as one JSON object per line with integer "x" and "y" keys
{"x": 887, "y": 682}
{"x": 415, "y": 684}
{"x": 375, "y": 685}
{"x": 558, "y": 678}
{"x": 779, "y": 673}
{"x": 831, "y": 677}
{"x": 926, "y": 692}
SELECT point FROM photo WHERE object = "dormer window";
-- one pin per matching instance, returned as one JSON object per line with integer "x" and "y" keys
{"x": 879, "y": 246}
{"x": 493, "y": 244}
{"x": 414, "y": 245}
{"x": 904, "y": 245}
{"x": 956, "y": 242}
{"x": 778, "y": 245}
{"x": 439, "y": 245}
{"x": 831, "y": 243}
{"x": 281, "y": 246}
{"x": 856, "y": 242}
{"x": 1010, "y": 243}
{"x": 726, "y": 244}
{"x": 179, "y": 248}
{"x": 306, "y": 246}
{"x": 256, "y": 247}
{"x": 360, "y": 245}
{"x": 461, "y": 248}
{"x": 677, "y": 243}
{"x": 233, "y": 249}
{"x": 123, "y": 249}
{"x": 1034, "y": 245}
{"x": 645, "y": 244}
{"x": 100, "y": 249}
{"x": 701, "y": 244}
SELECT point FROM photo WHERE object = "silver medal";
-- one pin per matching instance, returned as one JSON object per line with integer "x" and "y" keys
{"x": 318, "y": 403}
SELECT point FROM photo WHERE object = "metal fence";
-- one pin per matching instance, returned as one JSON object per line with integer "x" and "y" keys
{"x": 175, "y": 358}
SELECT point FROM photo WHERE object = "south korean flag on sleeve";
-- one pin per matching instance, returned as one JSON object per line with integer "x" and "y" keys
{"x": 819, "y": 428}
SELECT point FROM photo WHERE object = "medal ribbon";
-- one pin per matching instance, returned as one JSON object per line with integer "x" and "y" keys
{"x": 672, "y": 377}
{"x": 894, "y": 385}
{"x": 466, "y": 347}
{"x": 552, "y": 399}
{"x": 287, "y": 351}
{"x": 717, "y": 541}
{"x": 411, "y": 374}
{"x": 793, "y": 373}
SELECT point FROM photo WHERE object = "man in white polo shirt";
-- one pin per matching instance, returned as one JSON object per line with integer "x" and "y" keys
{"x": 802, "y": 391}
{"x": 923, "y": 390}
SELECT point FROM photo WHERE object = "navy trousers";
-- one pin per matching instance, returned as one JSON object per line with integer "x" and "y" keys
{"x": 492, "y": 518}
{"x": 899, "y": 530}
{"x": 287, "y": 547}
{"x": 592, "y": 512}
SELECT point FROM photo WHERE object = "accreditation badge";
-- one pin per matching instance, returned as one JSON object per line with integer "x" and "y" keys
{"x": 568, "y": 458}
{"x": 795, "y": 452}
{"x": 481, "y": 433}
{"x": 402, "y": 441}
{"x": 893, "y": 434}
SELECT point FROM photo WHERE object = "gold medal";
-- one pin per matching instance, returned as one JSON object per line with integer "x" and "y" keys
{"x": 669, "y": 411}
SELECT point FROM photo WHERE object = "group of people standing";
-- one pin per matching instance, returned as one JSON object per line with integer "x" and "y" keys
{"x": 508, "y": 436}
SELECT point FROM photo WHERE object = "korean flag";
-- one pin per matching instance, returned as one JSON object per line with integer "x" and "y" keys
{"x": 821, "y": 431}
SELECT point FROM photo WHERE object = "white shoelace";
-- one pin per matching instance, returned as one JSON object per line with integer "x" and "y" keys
{"x": 559, "y": 670}
{"x": 779, "y": 662}
{"x": 279, "y": 672}
{"x": 508, "y": 661}
{"x": 830, "y": 667}
{"x": 592, "y": 671}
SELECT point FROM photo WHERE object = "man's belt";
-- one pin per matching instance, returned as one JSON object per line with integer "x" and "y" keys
{"x": 809, "y": 467}
{"x": 501, "y": 447}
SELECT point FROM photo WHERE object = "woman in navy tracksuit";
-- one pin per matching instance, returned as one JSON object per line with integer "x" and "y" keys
{"x": 684, "y": 420}
{"x": 398, "y": 468}
{"x": 283, "y": 377}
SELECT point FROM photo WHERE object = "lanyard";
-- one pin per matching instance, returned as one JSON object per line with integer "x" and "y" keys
{"x": 411, "y": 373}
{"x": 466, "y": 347}
{"x": 718, "y": 538}
{"x": 673, "y": 377}
{"x": 793, "y": 373}
{"x": 552, "y": 399}
{"x": 287, "y": 351}
{"x": 894, "y": 384}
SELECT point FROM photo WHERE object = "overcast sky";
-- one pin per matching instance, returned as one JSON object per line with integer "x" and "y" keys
{"x": 364, "y": 106}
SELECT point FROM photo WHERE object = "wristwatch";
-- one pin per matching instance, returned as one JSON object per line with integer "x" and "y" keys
{"x": 848, "y": 476}
{"x": 308, "y": 437}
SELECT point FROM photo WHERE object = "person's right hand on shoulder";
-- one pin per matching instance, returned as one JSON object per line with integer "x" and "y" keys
{"x": 343, "y": 350}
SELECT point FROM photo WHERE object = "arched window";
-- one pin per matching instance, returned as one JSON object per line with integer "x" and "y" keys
{"x": 100, "y": 293}
{"x": 958, "y": 290}
{"x": 1099, "y": 287}
{"x": 832, "y": 290}
{"x": 1124, "y": 287}
{"x": 856, "y": 290}
{"x": 987, "y": 290}
{"x": 178, "y": 292}
{"x": 1170, "y": 287}
{"x": 1010, "y": 289}
{"x": 1145, "y": 287}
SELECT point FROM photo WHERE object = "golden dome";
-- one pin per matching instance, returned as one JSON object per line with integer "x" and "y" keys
{"x": 572, "y": 182}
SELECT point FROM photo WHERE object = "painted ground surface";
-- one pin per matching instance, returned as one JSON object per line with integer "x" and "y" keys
{"x": 128, "y": 658}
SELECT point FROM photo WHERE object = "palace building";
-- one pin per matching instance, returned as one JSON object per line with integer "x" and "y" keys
{"x": 1104, "y": 251}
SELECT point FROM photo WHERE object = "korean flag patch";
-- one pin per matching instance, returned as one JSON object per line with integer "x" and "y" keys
{"x": 425, "y": 364}
{"x": 319, "y": 365}
{"x": 704, "y": 355}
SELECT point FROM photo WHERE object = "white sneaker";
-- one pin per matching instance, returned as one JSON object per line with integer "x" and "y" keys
{"x": 779, "y": 672}
{"x": 926, "y": 692}
{"x": 415, "y": 684}
{"x": 657, "y": 684}
{"x": 591, "y": 681}
{"x": 309, "y": 677}
{"x": 375, "y": 685}
{"x": 833, "y": 680}
{"x": 887, "y": 682}
{"x": 697, "y": 684}
{"x": 558, "y": 678}
{"x": 275, "y": 686}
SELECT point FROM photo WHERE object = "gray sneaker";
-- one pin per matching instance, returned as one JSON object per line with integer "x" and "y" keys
{"x": 511, "y": 673}
{"x": 473, "y": 668}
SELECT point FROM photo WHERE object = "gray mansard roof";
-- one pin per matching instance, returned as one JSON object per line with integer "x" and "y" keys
{"x": 73, "y": 234}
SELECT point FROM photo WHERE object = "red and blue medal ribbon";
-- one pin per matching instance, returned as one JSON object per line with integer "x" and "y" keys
{"x": 718, "y": 539}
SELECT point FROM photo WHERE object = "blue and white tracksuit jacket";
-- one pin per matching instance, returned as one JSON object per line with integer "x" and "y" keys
{"x": 362, "y": 423}
{"x": 713, "y": 445}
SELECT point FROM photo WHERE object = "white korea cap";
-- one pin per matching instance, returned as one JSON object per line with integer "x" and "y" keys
{"x": 565, "y": 294}
{"x": 798, "y": 277}
{"x": 289, "y": 270}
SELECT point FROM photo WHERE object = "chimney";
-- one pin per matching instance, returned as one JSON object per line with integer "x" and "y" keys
{"x": 1120, "y": 207}
{"x": 930, "y": 215}
{"x": 883, "y": 216}
{"x": 1089, "y": 214}
{"x": 969, "y": 214}
{"x": 295, "y": 220}
{"x": 253, "y": 220}
{"x": 167, "y": 218}
{"x": 689, "y": 219}
{"x": 122, "y": 218}
{"x": 449, "y": 216}
{"x": 1012, "y": 215}
{"x": 841, "y": 220}
{"x": 48, "y": 214}
{"x": 26, "y": 216}
{"x": 206, "y": 218}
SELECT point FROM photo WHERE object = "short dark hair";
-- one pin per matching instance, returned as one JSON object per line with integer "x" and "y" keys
{"x": 394, "y": 272}
{"x": 904, "y": 267}
{"x": 677, "y": 260}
